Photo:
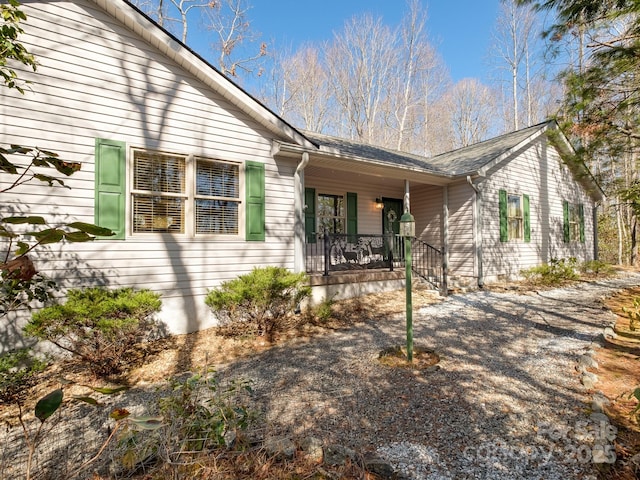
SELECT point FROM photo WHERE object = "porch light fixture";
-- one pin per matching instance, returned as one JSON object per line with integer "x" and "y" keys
{"x": 379, "y": 204}
{"x": 407, "y": 225}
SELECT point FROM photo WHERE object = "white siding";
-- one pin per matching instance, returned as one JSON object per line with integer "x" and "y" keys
{"x": 96, "y": 79}
{"x": 367, "y": 189}
{"x": 462, "y": 261}
{"x": 536, "y": 171}
{"x": 426, "y": 207}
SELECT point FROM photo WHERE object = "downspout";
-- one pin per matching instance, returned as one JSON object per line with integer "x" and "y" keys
{"x": 299, "y": 208}
{"x": 477, "y": 227}
{"x": 445, "y": 241}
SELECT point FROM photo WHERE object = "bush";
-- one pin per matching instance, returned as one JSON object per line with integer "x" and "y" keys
{"x": 596, "y": 267}
{"x": 259, "y": 302}
{"x": 324, "y": 310}
{"x": 18, "y": 373}
{"x": 100, "y": 326}
{"x": 201, "y": 414}
{"x": 556, "y": 272}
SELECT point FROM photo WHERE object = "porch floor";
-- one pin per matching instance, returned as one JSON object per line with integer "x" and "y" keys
{"x": 338, "y": 278}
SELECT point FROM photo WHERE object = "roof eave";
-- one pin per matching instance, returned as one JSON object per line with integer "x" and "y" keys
{"x": 483, "y": 171}
{"x": 339, "y": 160}
{"x": 581, "y": 171}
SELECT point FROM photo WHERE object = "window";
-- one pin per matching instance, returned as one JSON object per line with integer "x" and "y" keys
{"x": 162, "y": 194}
{"x": 331, "y": 213}
{"x": 573, "y": 222}
{"x": 217, "y": 197}
{"x": 158, "y": 193}
{"x": 515, "y": 217}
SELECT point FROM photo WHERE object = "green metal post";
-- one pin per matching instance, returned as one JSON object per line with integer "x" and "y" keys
{"x": 407, "y": 263}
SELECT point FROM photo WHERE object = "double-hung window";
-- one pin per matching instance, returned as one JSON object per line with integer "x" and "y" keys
{"x": 515, "y": 217}
{"x": 159, "y": 193}
{"x": 217, "y": 198}
{"x": 331, "y": 213}
{"x": 177, "y": 193}
{"x": 573, "y": 222}
{"x": 181, "y": 194}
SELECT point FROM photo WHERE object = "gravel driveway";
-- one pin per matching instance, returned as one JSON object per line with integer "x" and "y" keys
{"x": 506, "y": 402}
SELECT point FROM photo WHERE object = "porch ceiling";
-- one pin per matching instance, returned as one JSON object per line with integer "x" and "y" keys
{"x": 339, "y": 162}
{"x": 371, "y": 168}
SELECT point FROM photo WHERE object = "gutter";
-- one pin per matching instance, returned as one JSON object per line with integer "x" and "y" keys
{"x": 299, "y": 208}
{"x": 477, "y": 227}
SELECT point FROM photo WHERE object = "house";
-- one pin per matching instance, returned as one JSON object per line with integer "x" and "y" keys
{"x": 202, "y": 183}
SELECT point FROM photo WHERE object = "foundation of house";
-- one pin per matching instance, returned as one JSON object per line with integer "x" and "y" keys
{"x": 340, "y": 286}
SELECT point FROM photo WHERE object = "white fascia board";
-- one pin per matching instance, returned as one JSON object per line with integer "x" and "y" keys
{"x": 333, "y": 158}
{"x": 194, "y": 64}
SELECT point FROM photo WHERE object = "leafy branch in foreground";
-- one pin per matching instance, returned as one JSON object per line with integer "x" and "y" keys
{"x": 10, "y": 48}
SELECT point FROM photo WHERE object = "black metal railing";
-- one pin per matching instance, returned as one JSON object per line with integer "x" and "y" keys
{"x": 428, "y": 263}
{"x": 327, "y": 253}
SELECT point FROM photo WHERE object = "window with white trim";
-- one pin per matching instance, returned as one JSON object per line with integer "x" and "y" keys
{"x": 574, "y": 222}
{"x": 181, "y": 194}
{"x": 331, "y": 213}
{"x": 515, "y": 217}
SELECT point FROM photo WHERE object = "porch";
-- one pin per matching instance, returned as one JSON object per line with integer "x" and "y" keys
{"x": 369, "y": 262}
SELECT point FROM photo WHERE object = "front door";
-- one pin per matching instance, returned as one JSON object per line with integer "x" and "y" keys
{"x": 391, "y": 213}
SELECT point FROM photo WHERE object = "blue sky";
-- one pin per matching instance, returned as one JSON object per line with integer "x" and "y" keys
{"x": 460, "y": 30}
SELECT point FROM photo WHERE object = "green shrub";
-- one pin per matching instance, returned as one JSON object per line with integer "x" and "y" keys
{"x": 100, "y": 326}
{"x": 324, "y": 310}
{"x": 596, "y": 267}
{"x": 18, "y": 373}
{"x": 259, "y": 302}
{"x": 200, "y": 414}
{"x": 556, "y": 272}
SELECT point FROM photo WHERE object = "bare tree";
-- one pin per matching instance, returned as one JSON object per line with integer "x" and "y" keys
{"x": 472, "y": 110}
{"x": 229, "y": 21}
{"x": 514, "y": 49}
{"x": 412, "y": 60}
{"x": 160, "y": 10}
{"x": 300, "y": 89}
{"x": 359, "y": 63}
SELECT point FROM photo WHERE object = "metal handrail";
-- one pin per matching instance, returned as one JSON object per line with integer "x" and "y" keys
{"x": 428, "y": 263}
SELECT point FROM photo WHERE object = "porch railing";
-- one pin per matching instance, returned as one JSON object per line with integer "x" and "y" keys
{"x": 428, "y": 263}
{"x": 326, "y": 253}
{"x": 346, "y": 252}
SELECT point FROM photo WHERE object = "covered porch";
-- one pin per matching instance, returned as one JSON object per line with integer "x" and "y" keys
{"x": 349, "y": 201}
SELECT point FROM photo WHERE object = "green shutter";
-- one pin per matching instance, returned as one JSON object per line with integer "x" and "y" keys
{"x": 504, "y": 230}
{"x": 581, "y": 212}
{"x": 527, "y": 218}
{"x": 110, "y": 179}
{"x": 255, "y": 208}
{"x": 565, "y": 221}
{"x": 310, "y": 214}
{"x": 352, "y": 213}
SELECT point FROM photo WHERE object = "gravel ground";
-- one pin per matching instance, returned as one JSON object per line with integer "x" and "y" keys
{"x": 505, "y": 401}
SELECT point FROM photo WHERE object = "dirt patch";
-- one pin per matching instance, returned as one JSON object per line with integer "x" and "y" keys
{"x": 396, "y": 357}
{"x": 619, "y": 375}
